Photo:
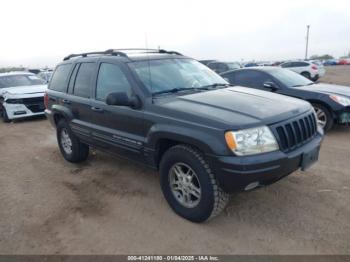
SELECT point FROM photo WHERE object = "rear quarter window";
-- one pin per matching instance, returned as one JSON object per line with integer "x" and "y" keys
{"x": 60, "y": 77}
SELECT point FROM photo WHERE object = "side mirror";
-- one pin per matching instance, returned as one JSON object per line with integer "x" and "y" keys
{"x": 271, "y": 85}
{"x": 122, "y": 99}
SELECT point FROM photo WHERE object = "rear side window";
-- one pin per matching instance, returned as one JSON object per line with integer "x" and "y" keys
{"x": 286, "y": 65}
{"x": 60, "y": 77}
{"x": 83, "y": 80}
{"x": 111, "y": 79}
{"x": 251, "y": 78}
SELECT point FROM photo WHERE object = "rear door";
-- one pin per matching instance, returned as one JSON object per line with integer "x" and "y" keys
{"x": 80, "y": 90}
{"x": 116, "y": 128}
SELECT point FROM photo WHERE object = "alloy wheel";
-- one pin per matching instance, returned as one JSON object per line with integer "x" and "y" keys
{"x": 66, "y": 141}
{"x": 184, "y": 185}
{"x": 321, "y": 117}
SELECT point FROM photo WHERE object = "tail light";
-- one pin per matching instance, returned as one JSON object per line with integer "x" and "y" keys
{"x": 314, "y": 67}
{"x": 46, "y": 100}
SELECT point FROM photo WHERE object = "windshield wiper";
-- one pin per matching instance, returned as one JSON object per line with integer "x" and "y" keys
{"x": 215, "y": 85}
{"x": 173, "y": 90}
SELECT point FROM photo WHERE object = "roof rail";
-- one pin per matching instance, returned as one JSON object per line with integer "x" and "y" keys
{"x": 148, "y": 50}
{"x": 107, "y": 52}
{"x": 121, "y": 52}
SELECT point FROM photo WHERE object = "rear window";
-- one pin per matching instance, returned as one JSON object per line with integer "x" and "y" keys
{"x": 60, "y": 77}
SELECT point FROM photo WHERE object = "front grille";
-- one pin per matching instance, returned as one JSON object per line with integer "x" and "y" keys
{"x": 33, "y": 100}
{"x": 296, "y": 132}
{"x": 34, "y": 104}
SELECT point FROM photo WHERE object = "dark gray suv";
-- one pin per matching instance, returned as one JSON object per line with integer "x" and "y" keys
{"x": 173, "y": 114}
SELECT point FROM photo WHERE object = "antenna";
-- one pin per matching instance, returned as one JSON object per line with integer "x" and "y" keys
{"x": 149, "y": 66}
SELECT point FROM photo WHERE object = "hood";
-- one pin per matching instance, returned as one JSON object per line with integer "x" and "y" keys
{"x": 327, "y": 89}
{"x": 235, "y": 107}
{"x": 19, "y": 90}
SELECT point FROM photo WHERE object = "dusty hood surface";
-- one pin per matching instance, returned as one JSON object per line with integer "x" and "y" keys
{"x": 19, "y": 90}
{"x": 236, "y": 107}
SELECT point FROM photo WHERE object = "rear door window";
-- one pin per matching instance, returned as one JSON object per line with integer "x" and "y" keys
{"x": 251, "y": 78}
{"x": 60, "y": 78}
{"x": 83, "y": 80}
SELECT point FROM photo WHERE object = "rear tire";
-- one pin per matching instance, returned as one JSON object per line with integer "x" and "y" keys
{"x": 195, "y": 195}
{"x": 324, "y": 117}
{"x": 70, "y": 146}
{"x": 315, "y": 78}
{"x": 306, "y": 74}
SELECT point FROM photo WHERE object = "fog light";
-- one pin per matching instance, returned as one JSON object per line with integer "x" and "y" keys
{"x": 344, "y": 118}
{"x": 252, "y": 186}
{"x": 20, "y": 113}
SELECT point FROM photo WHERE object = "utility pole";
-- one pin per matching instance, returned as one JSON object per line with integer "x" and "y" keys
{"x": 307, "y": 40}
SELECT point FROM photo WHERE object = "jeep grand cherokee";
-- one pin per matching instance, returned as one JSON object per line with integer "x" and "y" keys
{"x": 170, "y": 112}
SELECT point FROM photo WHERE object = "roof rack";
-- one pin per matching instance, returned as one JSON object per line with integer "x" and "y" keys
{"x": 107, "y": 52}
{"x": 122, "y": 52}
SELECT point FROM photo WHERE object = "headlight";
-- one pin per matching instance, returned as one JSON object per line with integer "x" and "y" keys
{"x": 340, "y": 100}
{"x": 14, "y": 101}
{"x": 251, "y": 141}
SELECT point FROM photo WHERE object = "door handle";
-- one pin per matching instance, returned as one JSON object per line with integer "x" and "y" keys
{"x": 65, "y": 101}
{"x": 97, "y": 109}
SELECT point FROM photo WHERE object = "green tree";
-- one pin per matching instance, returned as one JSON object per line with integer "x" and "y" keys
{"x": 321, "y": 57}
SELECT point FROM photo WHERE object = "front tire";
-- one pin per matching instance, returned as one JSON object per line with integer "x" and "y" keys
{"x": 70, "y": 146}
{"x": 4, "y": 115}
{"x": 324, "y": 117}
{"x": 189, "y": 185}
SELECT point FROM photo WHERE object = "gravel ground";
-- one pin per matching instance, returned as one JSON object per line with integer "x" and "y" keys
{"x": 112, "y": 206}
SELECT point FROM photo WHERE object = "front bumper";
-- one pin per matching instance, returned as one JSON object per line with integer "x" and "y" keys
{"x": 236, "y": 173}
{"x": 15, "y": 111}
{"x": 343, "y": 116}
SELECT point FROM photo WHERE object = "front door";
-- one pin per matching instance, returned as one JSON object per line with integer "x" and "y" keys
{"x": 116, "y": 128}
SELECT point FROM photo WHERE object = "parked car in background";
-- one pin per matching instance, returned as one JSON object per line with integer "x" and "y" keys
{"x": 220, "y": 67}
{"x": 331, "y": 102}
{"x": 330, "y": 62}
{"x": 21, "y": 95}
{"x": 45, "y": 75}
{"x": 307, "y": 69}
{"x": 250, "y": 64}
{"x": 206, "y": 62}
{"x": 345, "y": 61}
{"x": 205, "y": 137}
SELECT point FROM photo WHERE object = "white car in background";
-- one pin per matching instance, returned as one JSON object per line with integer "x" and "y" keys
{"x": 308, "y": 69}
{"x": 21, "y": 95}
{"x": 45, "y": 75}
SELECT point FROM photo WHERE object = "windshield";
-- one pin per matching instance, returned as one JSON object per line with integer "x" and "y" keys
{"x": 19, "y": 80}
{"x": 169, "y": 74}
{"x": 290, "y": 78}
{"x": 233, "y": 65}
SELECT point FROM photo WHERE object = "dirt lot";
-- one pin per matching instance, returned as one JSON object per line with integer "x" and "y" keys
{"x": 112, "y": 206}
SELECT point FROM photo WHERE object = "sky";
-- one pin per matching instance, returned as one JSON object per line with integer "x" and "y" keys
{"x": 40, "y": 33}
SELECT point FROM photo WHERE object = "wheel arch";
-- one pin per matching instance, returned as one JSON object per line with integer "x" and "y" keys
{"x": 320, "y": 102}
{"x": 159, "y": 141}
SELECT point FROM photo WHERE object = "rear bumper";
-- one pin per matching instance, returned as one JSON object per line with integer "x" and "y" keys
{"x": 236, "y": 173}
{"x": 49, "y": 116}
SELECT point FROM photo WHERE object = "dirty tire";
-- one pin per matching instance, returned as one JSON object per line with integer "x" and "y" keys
{"x": 79, "y": 151}
{"x": 4, "y": 115}
{"x": 306, "y": 74}
{"x": 213, "y": 199}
